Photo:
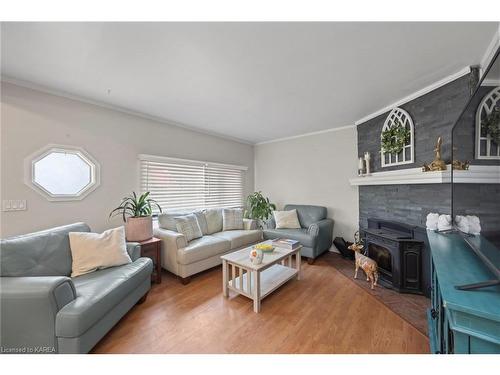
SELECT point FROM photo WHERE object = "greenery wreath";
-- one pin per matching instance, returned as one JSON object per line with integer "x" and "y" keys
{"x": 395, "y": 138}
{"x": 492, "y": 124}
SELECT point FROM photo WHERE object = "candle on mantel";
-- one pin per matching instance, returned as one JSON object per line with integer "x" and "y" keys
{"x": 361, "y": 166}
{"x": 367, "y": 162}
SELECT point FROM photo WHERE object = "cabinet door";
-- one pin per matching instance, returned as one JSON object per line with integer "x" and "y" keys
{"x": 413, "y": 268}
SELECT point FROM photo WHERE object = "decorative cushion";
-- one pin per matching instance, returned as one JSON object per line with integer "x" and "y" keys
{"x": 94, "y": 251}
{"x": 214, "y": 220}
{"x": 188, "y": 226}
{"x": 232, "y": 218}
{"x": 286, "y": 219}
{"x": 166, "y": 220}
{"x": 202, "y": 221}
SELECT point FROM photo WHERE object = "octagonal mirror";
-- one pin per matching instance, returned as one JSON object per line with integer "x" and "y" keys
{"x": 62, "y": 173}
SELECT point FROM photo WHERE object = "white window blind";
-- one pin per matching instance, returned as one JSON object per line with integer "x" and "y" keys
{"x": 188, "y": 184}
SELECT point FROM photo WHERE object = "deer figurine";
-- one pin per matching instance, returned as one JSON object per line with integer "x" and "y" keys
{"x": 369, "y": 266}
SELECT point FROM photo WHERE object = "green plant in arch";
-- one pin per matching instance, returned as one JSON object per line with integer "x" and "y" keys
{"x": 135, "y": 206}
{"x": 492, "y": 124}
{"x": 259, "y": 207}
{"x": 395, "y": 138}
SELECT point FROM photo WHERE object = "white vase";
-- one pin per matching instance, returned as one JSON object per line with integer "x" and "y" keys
{"x": 256, "y": 256}
{"x": 139, "y": 229}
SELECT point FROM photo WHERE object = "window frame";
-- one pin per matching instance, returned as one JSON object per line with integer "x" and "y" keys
{"x": 189, "y": 162}
{"x": 399, "y": 113}
{"x": 29, "y": 176}
{"x": 494, "y": 96}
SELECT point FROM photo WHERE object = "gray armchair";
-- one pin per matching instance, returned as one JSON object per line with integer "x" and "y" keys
{"x": 315, "y": 233}
{"x": 43, "y": 310}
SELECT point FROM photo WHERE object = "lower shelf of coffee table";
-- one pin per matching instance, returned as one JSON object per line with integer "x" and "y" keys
{"x": 270, "y": 279}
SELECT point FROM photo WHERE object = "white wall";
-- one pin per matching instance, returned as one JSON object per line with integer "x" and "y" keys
{"x": 32, "y": 119}
{"x": 313, "y": 169}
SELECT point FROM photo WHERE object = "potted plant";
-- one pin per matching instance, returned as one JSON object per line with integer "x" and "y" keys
{"x": 136, "y": 213}
{"x": 259, "y": 208}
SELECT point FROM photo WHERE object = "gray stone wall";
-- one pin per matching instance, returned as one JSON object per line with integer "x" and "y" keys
{"x": 434, "y": 115}
{"x": 408, "y": 204}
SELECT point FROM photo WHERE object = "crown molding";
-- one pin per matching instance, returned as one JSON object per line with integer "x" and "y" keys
{"x": 329, "y": 130}
{"x": 416, "y": 94}
{"x": 67, "y": 95}
{"x": 490, "y": 51}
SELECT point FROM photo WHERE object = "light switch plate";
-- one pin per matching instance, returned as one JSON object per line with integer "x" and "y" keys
{"x": 14, "y": 205}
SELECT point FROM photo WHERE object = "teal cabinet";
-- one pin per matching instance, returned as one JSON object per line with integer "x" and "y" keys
{"x": 462, "y": 321}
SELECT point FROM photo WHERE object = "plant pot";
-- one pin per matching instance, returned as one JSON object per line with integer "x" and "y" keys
{"x": 139, "y": 229}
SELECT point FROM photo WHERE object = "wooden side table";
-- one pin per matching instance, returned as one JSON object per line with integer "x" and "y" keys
{"x": 152, "y": 249}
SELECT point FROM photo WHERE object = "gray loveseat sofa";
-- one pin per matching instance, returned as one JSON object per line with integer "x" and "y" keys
{"x": 43, "y": 310}
{"x": 315, "y": 233}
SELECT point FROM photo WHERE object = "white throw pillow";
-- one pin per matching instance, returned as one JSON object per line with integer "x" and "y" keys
{"x": 232, "y": 219}
{"x": 94, "y": 251}
{"x": 286, "y": 219}
{"x": 188, "y": 226}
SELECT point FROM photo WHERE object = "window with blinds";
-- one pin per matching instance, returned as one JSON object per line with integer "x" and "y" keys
{"x": 189, "y": 184}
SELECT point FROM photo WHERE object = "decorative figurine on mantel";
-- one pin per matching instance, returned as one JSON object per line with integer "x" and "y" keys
{"x": 460, "y": 165}
{"x": 437, "y": 164}
{"x": 369, "y": 266}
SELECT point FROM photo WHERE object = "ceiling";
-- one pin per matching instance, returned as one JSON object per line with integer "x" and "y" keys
{"x": 249, "y": 81}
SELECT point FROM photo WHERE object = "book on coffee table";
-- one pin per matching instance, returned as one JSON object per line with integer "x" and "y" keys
{"x": 286, "y": 243}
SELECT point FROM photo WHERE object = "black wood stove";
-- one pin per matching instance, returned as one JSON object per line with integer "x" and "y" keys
{"x": 398, "y": 253}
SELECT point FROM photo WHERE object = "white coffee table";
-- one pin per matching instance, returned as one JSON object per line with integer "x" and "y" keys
{"x": 258, "y": 281}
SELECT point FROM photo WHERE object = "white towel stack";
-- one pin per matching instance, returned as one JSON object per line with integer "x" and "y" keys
{"x": 468, "y": 224}
{"x": 444, "y": 222}
{"x": 462, "y": 223}
{"x": 474, "y": 224}
{"x": 432, "y": 221}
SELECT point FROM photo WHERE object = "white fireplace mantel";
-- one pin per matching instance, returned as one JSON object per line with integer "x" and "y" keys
{"x": 477, "y": 174}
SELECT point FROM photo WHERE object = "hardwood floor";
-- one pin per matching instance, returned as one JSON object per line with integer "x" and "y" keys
{"x": 324, "y": 312}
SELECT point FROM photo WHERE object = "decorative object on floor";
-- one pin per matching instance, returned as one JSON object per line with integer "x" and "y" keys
{"x": 256, "y": 256}
{"x": 256, "y": 281}
{"x": 367, "y": 163}
{"x": 264, "y": 247}
{"x": 259, "y": 208}
{"x": 152, "y": 249}
{"x": 96, "y": 251}
{"x": 342, "y": 246}
{"x": 136, "y": 213}
{"x": 431, "y": 222}
{"x": 491, "y": 124}
{"x": 437, "y": 164}
{"x": 369, "y": 266}
{"x": 444, "y": 223}
{"x": 395, "y": 137}
{"x": 361, "y": 167}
